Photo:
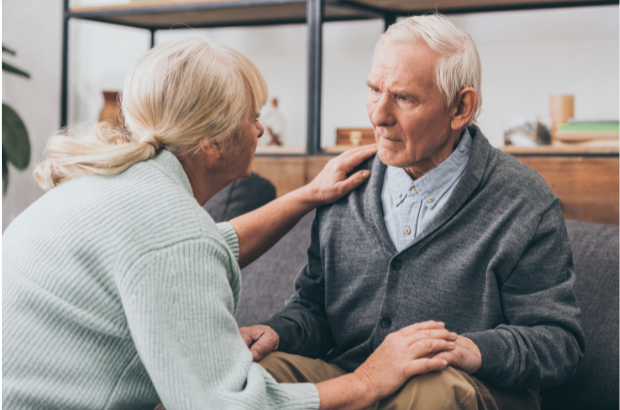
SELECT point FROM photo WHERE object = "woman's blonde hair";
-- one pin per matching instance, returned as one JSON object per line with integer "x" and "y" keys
{"x": 459, "y": 65}
{"x": 176, "y": 95}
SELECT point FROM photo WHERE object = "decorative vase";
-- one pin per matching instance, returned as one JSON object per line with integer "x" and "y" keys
{"x": 111, "y": 111}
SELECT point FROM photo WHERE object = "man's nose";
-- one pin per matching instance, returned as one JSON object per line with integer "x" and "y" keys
{"x": 382, "y": 112}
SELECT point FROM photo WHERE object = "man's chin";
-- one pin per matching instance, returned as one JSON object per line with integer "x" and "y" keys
{"x": 390, "y": 158}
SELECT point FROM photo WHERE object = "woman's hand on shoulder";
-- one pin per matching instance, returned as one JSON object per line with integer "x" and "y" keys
{"x": 334, "y": 181}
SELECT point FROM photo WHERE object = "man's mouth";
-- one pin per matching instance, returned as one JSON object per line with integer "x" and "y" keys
{"x": 389, "y": 138}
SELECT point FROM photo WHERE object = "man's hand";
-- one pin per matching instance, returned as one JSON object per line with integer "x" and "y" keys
{"x": 261, "y": 340}
{"x": 465, "y": 355}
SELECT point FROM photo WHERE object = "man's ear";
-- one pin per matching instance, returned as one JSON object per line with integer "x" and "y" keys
{"x": 463, "y": 108}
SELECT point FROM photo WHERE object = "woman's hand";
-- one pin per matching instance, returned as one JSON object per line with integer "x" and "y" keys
{"x": 259, "y": 230}
{"x": 404, "y": 354}
{"x": 334, "y": 182}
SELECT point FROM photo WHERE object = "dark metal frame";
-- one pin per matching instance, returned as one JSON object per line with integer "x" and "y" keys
{"x": 315, "y": 61}
{"x": 314, "y": 18}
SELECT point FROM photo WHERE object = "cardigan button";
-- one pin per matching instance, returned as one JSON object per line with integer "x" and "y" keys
{"x": 397, "y": 264}
{"x": 386, "y": 322}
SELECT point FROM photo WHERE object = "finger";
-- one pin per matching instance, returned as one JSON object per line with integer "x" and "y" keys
{"x": 431, "y": 324}
{"x": 447, "y": 356}
{"x": 247, "y": 339}
{"x": 431, "y": 334}
{"x": 353, "y": 181}
{"x": 429, "y": 347}
{"x": 355, "y": 157}
{"x": 259, "y": 351}
{"x": 255, "y": 355}
{"x": 421, "y": 366}
{"x": 355, "y": 151}
{"x": 263, "y": 346}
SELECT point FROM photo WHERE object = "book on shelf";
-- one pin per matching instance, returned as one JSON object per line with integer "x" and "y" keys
{"x": 582, "y": 131}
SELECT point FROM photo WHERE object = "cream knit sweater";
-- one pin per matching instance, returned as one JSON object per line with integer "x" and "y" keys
{"x": 120, "y": 292}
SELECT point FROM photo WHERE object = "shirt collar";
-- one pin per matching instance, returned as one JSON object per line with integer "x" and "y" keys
{"x": 433, "y": 185}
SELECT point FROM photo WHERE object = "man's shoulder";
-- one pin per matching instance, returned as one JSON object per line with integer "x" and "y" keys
{"x": 356, "y": 201}
{"x": 507, "y": 173}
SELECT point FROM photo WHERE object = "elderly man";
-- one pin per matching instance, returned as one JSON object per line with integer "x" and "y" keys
{"x": 448, "y": 229}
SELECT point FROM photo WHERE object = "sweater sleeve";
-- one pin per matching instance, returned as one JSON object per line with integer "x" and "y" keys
{"x": 302, "y": 326}
{"x": 230, "y": 236}
{"x": 543, "y": 342}
{"x": 178, "y": 304}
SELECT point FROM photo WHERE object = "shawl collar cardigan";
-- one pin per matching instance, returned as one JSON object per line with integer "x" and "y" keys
{"x": 495, "y": 265}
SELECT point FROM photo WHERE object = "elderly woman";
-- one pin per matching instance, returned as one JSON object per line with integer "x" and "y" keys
{"x": 119, "y": 290}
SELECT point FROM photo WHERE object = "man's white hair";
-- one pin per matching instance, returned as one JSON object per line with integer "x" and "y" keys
{"x": 459, "y": 65}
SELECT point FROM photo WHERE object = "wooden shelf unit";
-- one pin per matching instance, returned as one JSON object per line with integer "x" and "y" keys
{"x": 587, "y": 184}
{"x": 159, "y": 15}
{"x": 585, "y": 180}
{"x": 169, "y": 14}
{"x": 218, "y": 13}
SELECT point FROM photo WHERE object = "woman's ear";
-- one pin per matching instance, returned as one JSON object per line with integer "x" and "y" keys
{"x": 210, "y": 149}
{"x": 464, "y": 107}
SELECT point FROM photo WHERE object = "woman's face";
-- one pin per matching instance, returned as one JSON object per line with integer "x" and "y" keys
{"x": 250, "y": 134}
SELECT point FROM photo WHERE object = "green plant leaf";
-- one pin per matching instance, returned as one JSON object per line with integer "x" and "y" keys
{"x": 12, "y": 69}
{"x": 15, "y": 143}
{"x": 5, "y": 175}
{"x": 7, "y": 50}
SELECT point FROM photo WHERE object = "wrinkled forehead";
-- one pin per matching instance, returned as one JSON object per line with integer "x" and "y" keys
{"x": 402, "y": 64}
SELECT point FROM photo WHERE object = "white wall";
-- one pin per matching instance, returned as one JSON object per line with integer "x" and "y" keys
{"x": 34, "y": 30}
{"x": 529, "y": 55}
{"x": 526, "y": 56}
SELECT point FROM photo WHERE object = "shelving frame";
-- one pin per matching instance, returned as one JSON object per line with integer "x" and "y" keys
{"x": 153, "y": 16}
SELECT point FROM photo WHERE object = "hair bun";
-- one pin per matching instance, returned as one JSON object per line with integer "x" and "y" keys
{"x": 152, "y": 140}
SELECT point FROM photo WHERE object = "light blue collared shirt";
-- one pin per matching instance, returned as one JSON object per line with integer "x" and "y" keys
{"x": 409, "y": 206}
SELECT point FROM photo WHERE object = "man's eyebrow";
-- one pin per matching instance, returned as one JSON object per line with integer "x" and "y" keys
{"x": 402, "y": 93}
{"x": 370, "y": 84}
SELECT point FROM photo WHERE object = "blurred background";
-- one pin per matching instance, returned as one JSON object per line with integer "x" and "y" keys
{"x": 527, "y": 56}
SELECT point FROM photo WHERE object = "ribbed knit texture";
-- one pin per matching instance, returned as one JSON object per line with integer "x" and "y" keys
{"x": 120, "y": 292}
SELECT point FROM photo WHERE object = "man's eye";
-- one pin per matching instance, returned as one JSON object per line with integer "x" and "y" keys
{"x": 402, "y": 98}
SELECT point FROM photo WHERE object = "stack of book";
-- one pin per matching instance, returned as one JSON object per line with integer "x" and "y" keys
{"x": 588, "y": 134}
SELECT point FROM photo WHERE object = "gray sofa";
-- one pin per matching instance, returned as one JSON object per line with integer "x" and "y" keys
{"x": 268, "y": 282}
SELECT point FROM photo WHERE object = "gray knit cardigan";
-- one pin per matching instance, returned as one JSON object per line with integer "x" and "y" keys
{"x": 495, "y": 265}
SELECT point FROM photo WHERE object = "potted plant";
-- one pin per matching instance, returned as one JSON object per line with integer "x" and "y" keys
{"x": 15, "y": 142}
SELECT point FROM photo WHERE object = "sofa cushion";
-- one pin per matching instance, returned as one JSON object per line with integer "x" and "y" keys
{"x": 240, "y": 197}
{"x": 595, "y": 385}
{"x": 269, "y": 281}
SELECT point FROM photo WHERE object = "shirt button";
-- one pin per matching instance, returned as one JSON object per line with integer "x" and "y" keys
{"x": 414, "y": 190}
{"x": 399, "y": 194}
{"x": 430, "y": 199}
{"x": 407, "y": 231}
{"x": 386, "y": 322}
{"x": 396, "y": 264}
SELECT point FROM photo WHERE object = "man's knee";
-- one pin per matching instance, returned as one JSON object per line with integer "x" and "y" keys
{"x": 442, "y": 390}
{"x": 281, "y": 367}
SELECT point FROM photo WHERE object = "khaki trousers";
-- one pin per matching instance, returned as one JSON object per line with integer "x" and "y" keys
{"x": 446, "y": 389}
